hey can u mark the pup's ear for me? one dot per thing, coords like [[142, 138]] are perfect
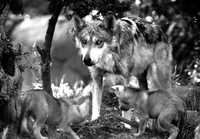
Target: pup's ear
[[109, 22], [8, 61], [78, 23], [117, 89]]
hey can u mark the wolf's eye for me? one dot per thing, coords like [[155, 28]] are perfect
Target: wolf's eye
[[84, 41], [98, 42]]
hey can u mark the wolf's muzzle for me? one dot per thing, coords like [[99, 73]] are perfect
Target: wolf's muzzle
[[87, 61]]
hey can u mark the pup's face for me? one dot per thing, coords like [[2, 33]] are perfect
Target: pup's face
[[127, 98], [93, 39]]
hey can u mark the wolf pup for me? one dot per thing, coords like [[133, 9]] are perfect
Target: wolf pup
[[159, 104], [40, 109], [126, 46]]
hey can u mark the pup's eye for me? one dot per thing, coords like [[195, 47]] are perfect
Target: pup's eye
[[84, 41], [98, 42]]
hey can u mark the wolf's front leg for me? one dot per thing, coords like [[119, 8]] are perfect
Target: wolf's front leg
[[96, 100], [96, 94]]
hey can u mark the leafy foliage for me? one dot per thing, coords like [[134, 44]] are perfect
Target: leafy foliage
[[16, 6], [83, 7]]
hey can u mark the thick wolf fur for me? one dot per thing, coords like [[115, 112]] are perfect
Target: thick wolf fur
[[161, 105], [127, 46]]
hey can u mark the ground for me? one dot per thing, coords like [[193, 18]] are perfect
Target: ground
[[108, 127]]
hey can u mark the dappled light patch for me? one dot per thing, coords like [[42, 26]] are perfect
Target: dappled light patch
[[64, 89]]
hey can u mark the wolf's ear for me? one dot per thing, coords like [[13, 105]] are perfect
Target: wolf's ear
[[8, 61], [109, 22], [78, 23]]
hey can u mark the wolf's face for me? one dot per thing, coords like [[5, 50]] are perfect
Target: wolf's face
[[93, 42], [93, 39]]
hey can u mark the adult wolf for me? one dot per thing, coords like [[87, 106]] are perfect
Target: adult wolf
[[126, 46]]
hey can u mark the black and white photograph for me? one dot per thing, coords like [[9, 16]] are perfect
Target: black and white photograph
[[99, 69]]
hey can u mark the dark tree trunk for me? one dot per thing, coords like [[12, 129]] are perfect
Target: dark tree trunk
[[45, 50]]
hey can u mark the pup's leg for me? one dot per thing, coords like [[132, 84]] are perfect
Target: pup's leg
[[96, 94], [69, 131], [165, 123], [142, 126], [52, 133], [5, 131], [37, 131], [197, 132]]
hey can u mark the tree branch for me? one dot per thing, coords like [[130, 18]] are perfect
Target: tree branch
[[45, 51]]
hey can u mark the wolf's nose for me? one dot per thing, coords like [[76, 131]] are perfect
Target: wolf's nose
[[88, 62]]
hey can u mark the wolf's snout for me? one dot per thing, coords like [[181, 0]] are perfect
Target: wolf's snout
[[87, 61]]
